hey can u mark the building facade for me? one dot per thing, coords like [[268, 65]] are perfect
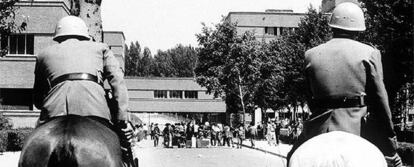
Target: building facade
[[147, 96], [266, 25]]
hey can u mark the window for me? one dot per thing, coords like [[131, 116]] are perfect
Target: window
[[16, 99], [270, 30], [176, 94], [19, 44], [282, 30], [160, 94], [191, 94]]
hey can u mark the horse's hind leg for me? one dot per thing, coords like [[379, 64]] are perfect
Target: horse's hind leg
[[36, 150]]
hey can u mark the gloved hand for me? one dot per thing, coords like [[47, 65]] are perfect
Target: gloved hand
[[393, 161], [128, 131]]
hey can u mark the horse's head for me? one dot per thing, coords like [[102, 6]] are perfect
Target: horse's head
[[337, 149]]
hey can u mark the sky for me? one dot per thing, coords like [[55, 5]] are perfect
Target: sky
[[163, 24]]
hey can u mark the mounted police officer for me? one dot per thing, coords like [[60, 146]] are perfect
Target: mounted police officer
[[69, 79], [346, 83]]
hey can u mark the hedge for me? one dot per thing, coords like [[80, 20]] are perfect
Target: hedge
[[13, 140]]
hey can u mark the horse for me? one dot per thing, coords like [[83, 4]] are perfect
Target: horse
[[72, 141], [337, 149]]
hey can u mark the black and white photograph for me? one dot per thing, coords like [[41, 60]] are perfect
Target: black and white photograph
[[206, 83]]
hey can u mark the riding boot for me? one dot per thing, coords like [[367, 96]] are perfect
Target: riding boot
[[127, 156], [126, 149]]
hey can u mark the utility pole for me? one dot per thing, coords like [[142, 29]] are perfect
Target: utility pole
[[241, 100]]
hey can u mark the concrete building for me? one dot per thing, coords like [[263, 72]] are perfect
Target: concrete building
[[182, 96], [147, 96], [266, 25]]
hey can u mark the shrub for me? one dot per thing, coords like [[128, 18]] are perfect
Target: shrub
[[406, 152], [13, 140], [3, 141], [4, 122]]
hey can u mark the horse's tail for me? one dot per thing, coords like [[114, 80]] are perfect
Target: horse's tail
[[71, 141], [63, 154]]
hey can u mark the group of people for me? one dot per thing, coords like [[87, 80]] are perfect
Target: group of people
[[218, 134], [344, 76], [180, 133]]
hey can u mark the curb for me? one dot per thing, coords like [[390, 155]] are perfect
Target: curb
[[263, 150]]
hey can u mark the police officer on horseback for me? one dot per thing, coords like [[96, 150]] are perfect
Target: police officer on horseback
[[69, 79], [346, 83]]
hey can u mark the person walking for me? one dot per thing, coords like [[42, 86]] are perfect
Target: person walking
[[271, 128], [252, 134], [166, 133], [69, 78], [227, 136], [277, 132], [346, 82], [241, 135], [156, 134]]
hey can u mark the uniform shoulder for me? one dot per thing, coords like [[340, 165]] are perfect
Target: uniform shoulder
[[47, 50], [315, 49], [370, 47], [96, 44]]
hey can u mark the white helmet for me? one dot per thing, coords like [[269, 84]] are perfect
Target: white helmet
[[71, 26], [337, 148], [348, 16]]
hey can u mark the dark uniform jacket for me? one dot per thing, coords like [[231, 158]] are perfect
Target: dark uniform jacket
[[346, 68], [79, 97]]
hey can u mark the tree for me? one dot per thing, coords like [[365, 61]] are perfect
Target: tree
[[163, 65], [229, 65], [7, 24], [179, 61], [184, 59], [282, 78], [132, 59], [146, 63], [90, 12], [390, 29]]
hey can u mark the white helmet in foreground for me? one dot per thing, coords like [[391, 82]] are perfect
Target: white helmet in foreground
[[348, 16], [337, 149]]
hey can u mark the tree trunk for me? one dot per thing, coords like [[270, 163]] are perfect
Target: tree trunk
[[90, 12]]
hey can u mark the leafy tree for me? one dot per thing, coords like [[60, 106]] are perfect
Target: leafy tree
[[7, 24], [229, 65], [313, 30], [163, 65], [90, 12], [146, 63], [184, 59], [179, 61], [390, 29], [132, 59]]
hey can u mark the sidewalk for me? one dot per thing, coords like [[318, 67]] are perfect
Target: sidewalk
[[280, 150]]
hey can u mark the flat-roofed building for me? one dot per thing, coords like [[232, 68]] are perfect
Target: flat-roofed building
[[17, 66], [116, 42], [171, 95], [148, 97], [266, 25]]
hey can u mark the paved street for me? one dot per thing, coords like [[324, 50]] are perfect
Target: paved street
[[204, 157], [195, 157]]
